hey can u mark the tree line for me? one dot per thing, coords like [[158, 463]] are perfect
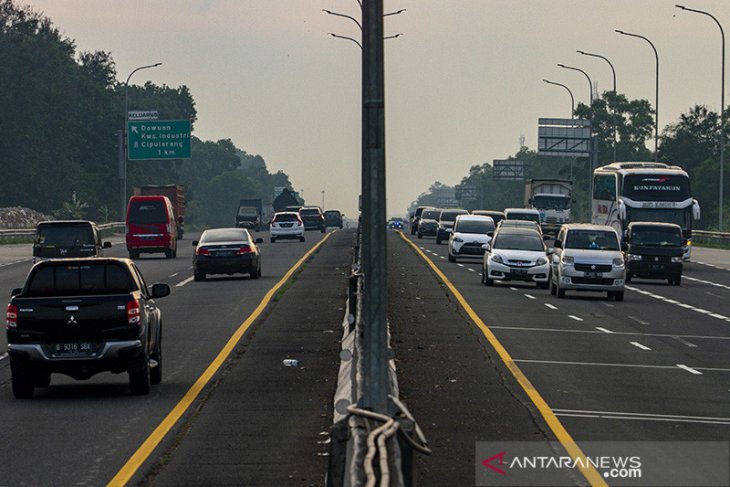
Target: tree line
[[62, 111], [692, 142]]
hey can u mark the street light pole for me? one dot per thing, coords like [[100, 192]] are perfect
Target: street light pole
[[322, 200], [572, 100], [722, 113], [656, 102], [123, 153], [613, 71], [590, 84]]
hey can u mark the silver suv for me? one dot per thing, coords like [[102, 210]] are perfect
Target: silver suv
[[588, 258]]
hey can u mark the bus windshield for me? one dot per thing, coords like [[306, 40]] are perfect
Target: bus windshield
[[656, 187]]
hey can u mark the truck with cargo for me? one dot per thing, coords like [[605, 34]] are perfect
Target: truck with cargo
[[552, 198], [176, 194], [250, 214]]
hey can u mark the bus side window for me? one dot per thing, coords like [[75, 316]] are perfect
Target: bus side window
[[604, 187]]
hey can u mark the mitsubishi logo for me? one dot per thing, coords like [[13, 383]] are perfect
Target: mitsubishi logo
[[72, 321], [656, 259], [593, 267]]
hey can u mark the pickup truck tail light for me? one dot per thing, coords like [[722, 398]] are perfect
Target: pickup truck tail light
[[245, 249], [12, 316], [133, 312]]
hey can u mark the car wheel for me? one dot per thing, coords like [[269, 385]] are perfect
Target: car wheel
[[322, 230], [628, 278], [174, 253], [452, 258], [273, 240], [156, 371], [140, 380], [413, 231], [485, 278], [134, 254], [22, 380], [552, 287], [301, 239], [199, 276], [168, 254], [559, 292], [617, 295], [42, 379], [438, 240], [255, 273], [419, 235], [675, 281], [542, 285]]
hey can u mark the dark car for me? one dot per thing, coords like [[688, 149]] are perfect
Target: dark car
[[80, 317], [428, 223], [333, 218], [313, 218], [396, 223], [654, 251], [67, 238], [226, 251], [446, 223], [497, 216], [415, 217]]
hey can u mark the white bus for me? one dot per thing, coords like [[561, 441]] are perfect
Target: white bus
[[625, 192]]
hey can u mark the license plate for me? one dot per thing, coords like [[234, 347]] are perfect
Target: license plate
[[225, 253], [73, 349], [520, 272], [594, 275], [656, 267]]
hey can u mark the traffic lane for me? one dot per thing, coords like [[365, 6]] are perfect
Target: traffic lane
[[707, 256], [107, 424]]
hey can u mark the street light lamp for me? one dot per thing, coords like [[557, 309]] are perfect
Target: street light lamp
[[322, 200], [123, 159], [572, 99], [613, 71], [656, 102], [347, 38], [590, 84], [722, 110]]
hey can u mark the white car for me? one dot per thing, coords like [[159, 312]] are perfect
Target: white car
[[516, 254], [470, 233], [286, 224]]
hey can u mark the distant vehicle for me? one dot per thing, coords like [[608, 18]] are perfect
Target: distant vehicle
[[79, 317], [428, 223], [415, 217], [531, 224], [470, 233], [286, 225], [313, 218], [552, 199], [397, 223], [516, 254], [588, 258], [446, 223], [333, 218], [62, 239], [522, 214], [250, 214], [151, 226], [497, 216], [625, 192], [654, 251], [226, 251], [176, 194]]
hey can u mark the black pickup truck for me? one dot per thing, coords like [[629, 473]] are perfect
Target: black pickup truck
[[80, 317]]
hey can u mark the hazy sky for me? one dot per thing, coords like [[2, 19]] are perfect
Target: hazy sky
[[462, 83]]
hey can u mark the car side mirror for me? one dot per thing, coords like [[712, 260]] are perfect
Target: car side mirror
[[558, 244], [16, 291], [106, 245], [259, 240], [486, 247], [195, 243], [160, 290], [550, 251]]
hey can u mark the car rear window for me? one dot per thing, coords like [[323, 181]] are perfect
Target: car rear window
[[450, 216], [474, 227], [224, 235], [65, 235], [79, 280], [430, 214], [286, 218], [312, 212], [518, 215], [591, 240], [147, 211]]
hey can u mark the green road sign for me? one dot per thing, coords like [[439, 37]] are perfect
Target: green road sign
[[158, 139]]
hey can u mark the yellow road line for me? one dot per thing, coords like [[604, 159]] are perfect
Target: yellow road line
[[146, 449], [588, 471]]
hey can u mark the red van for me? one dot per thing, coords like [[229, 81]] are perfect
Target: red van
[[151, 226]]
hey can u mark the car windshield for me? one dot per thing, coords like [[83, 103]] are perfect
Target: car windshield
[[591, 240], [430, 215], [518, 241], [65, 235], [248, 211], [482, 227], [658, 237], [224, 235]]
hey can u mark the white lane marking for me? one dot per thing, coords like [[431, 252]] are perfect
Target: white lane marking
[[422, 248], [640, 416], [683, 305], [550, 306], [3, 356], [460, 265], [685, 342], [442, 257], [190, 267], [470, 269], [689, 369], [713, 295], [595, 364], [626, 333], [576, 318], [530, 296], [710, 265], [182, 283], [702, 281], [607, 305], [639, 345], [639, 321], [513, 288], [173, 275], [603, 330]]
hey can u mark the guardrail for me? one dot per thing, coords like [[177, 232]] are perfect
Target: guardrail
[[29, 232], [701, 236]]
